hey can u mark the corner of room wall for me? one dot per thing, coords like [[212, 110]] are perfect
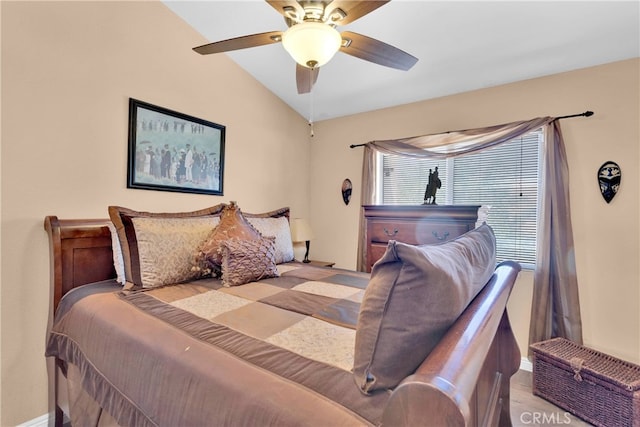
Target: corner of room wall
[[608, 278], [68, 70]]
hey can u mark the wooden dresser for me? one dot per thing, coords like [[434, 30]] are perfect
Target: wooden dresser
[[415, 225]]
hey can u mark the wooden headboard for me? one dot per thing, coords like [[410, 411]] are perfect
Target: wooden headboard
[[79, 253]]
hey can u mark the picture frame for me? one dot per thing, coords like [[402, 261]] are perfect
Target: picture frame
[[172, 151]]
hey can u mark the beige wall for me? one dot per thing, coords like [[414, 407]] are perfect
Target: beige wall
[[68, 70], [606, 235]]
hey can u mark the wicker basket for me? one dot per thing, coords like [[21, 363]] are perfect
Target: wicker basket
[[598, 388]]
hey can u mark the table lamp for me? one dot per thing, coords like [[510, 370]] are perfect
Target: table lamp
[[301, 232]]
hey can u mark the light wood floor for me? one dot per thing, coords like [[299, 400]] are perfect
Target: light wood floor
[[528, 410]]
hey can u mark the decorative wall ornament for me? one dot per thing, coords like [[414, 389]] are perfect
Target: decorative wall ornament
[[609, 176], [433, 184], [347, 188]]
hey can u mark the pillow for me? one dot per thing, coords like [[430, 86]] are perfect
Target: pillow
[[414, 295], [278, 228], [232, 224], [245, 261], [118, 262], [122, 219], [165, 248]]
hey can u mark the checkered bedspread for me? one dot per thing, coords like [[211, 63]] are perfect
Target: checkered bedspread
[[309, 311]]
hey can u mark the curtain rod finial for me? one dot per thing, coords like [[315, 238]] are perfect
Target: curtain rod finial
[[585, 114]]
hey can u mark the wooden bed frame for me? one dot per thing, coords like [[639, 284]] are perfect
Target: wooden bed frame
[[463, 382]]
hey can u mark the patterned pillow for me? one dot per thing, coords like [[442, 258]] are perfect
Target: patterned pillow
[[278, 228], [166, 247], [232, 224], [123, 219], [245, 261], [415, 294]]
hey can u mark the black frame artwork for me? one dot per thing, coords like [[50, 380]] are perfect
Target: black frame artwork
[[171, 151]]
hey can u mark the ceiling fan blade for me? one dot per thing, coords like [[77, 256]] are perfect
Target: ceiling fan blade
[[306, 78], [353, 9], [375, 51], [243, 42]]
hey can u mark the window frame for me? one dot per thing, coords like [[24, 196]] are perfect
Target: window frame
[[448, 192]]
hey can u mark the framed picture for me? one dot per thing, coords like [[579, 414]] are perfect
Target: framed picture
[[170, 151]]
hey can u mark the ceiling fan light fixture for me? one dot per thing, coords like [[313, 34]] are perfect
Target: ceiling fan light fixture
[[311, 44]]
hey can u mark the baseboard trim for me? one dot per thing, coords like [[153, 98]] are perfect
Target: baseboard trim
[[526, 365], [41, 421]]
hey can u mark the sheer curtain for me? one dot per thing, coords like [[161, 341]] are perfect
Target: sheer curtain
[[555, 307]]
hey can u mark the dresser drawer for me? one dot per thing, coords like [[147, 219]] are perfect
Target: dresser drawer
[[415, 232], [414, 225], [376, 250]]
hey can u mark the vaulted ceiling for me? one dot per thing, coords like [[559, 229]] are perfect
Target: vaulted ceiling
[[461, 46]]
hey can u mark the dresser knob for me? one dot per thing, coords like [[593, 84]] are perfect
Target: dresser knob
[[395, 231], [444, 236]]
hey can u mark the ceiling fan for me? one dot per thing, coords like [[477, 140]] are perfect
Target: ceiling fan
[[312, 38]]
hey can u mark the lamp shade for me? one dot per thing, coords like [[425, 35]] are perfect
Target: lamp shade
[[300, 230], [311, 44]]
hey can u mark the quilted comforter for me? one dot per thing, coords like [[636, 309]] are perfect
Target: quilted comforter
[[278, 351]]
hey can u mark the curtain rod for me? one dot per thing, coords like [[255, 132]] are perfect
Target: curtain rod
[[585, 114]]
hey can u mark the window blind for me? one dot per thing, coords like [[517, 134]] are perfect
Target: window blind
[[504, 177], [405, 179]]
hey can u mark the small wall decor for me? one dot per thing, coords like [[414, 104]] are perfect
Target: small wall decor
[[347, 188], [171, 151], [609, 176]]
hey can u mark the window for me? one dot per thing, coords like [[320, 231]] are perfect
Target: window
[[504, 177]]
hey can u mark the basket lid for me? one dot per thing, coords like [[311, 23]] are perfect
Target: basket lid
[[624, 374]]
